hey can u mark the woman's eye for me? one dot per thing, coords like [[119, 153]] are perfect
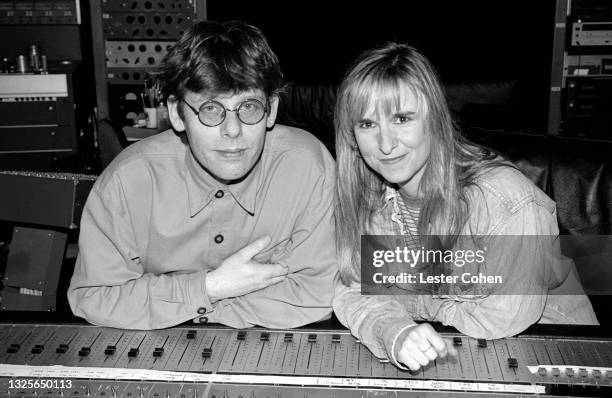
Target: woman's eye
[[401, 119], [365, 125]]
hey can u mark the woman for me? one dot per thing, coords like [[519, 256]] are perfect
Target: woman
[[403, 169]]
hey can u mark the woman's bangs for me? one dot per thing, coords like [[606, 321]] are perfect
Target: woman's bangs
[[358, 102], [385, 94]]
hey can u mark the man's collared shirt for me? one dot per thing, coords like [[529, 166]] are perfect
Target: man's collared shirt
[[156, 222]]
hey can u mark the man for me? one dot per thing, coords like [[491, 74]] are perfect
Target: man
[[226, 219]]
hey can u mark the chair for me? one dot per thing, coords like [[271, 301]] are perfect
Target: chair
[[111, 141]]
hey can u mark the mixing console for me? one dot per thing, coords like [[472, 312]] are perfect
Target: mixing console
[[68, 360]]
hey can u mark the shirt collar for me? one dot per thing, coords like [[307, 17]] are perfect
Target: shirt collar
[[389, 196], [201, 187], [389, 193]]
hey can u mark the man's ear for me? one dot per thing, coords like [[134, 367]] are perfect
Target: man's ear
[[174, 114], [273, 111]]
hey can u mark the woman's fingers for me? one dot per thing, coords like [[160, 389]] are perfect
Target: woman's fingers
[[423, 345]]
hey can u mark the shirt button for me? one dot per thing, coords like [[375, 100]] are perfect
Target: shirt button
[[201, 310], [219, 238], [203, 319], [219, 194]]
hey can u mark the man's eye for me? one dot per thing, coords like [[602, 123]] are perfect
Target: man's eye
[[209, 108]]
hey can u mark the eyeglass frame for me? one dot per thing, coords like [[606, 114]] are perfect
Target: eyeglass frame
[[225, 110]]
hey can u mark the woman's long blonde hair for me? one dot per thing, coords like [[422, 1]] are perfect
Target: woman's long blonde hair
[[381, 75]]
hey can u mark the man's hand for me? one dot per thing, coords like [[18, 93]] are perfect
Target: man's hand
[[421, 345], [239, 274]]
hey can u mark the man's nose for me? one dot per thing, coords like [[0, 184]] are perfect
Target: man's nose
[[231, 126]]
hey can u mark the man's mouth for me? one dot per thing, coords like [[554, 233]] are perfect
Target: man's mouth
[[231, 153]]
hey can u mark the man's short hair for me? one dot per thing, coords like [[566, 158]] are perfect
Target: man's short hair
[[220, 57]]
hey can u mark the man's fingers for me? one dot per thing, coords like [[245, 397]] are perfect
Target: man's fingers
[[250, 250], [276, 280], [272, 270], [267, 282]]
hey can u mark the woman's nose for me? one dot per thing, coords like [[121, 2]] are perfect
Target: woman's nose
[[387, 140]]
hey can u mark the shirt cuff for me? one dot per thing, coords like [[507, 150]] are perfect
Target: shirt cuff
[[198, 297]]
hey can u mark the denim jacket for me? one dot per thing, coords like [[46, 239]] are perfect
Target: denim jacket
[[503, 202]]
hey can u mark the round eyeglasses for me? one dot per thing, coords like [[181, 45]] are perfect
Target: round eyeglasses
[[212, 113]]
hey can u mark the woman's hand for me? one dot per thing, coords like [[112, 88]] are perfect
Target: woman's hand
[[421, 345]]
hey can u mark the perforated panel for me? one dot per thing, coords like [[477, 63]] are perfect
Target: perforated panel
[[147, 6], [137, 35], [125, 103], [135, 54], [127, 75], [146, 25]]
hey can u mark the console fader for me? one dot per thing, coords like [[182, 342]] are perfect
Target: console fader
[[218, 362]]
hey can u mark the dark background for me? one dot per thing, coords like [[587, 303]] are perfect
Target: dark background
[[467, 41]]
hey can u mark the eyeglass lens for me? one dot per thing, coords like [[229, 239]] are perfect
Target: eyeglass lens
[[213, 113]]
